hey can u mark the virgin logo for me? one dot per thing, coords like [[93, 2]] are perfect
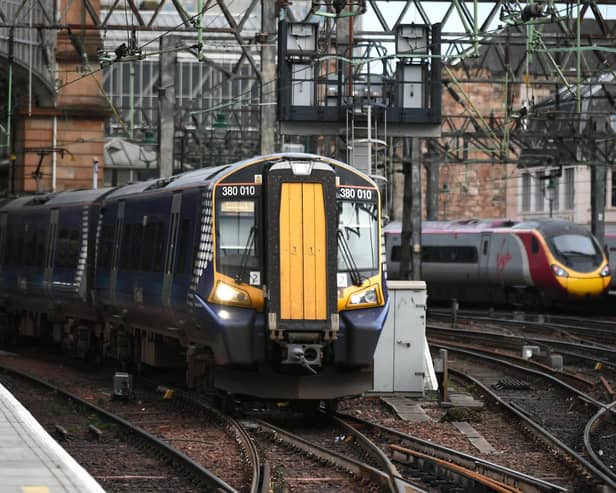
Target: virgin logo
[[502, 259]]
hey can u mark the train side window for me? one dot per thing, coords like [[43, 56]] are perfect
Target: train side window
[[534, 245], [149, 236], [159, 247], [125, 248], [27, 254], [136, 246], [395, 254], [19, 248], [41, 233], [31, 252], [61, 253], [106, 246], [73, 249], [182, 246], [448, 254]]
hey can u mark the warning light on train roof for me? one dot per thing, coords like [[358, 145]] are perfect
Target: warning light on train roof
[[301, 168]]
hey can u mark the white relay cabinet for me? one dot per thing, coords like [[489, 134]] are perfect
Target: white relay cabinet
[[400, 361]]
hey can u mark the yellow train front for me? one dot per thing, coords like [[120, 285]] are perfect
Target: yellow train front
[[292, 303]]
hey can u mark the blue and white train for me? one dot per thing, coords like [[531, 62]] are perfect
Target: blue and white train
[[263, 277]]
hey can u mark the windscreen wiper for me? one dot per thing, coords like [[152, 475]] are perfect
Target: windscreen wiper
[[244, 261], [347, 256]]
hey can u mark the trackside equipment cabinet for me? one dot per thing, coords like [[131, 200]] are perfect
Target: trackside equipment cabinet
[[400, 362]]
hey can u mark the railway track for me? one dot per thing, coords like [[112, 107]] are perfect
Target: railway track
[[91, 433], [579, 358], [445, 467], [555, 411]]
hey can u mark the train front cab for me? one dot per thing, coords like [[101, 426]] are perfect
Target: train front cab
[[577, 264], [282, 234]]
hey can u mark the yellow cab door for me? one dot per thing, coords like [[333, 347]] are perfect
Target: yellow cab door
[[303, 253]]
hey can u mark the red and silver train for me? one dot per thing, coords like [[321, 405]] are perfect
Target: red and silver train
[[536, 262]]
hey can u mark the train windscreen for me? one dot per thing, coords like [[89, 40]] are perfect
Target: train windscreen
[[236, 228], [579, 252], [358, 236]]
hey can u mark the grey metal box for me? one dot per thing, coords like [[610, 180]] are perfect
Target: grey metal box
[[400, 356]]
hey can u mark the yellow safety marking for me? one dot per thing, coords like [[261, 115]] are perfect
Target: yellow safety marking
[[315, 299], [303, 263]]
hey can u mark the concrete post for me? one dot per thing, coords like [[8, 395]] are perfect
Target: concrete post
[[166, 105], [268, 78]]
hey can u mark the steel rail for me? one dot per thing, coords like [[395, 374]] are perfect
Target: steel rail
[[497, 472], [471, 475], [608, 352], [372, 448], [196, 469], [393, 484], [258, 482], [539, 430], [588, 446]]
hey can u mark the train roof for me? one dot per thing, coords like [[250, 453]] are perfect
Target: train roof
[[204, 175], [78, 196], [551, 227], [175, 182], [51, 199], [457, 225], [547, 226]]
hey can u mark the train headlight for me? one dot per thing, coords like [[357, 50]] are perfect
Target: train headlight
[[559, 271], [365, 297], [605, 271], [227, 294]]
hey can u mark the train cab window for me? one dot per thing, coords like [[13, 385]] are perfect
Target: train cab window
[[534, 245], [236, 243], [358, 241], [577, 251]]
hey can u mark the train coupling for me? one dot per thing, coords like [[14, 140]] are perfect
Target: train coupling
[[304, 355]]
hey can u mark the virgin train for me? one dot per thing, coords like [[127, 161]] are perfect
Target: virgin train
[[532, 263], [263, 277]]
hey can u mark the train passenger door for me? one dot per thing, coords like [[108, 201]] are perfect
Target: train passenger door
[[172, 240], [50, 252], [115, 259], [301, 254], [484, 258]]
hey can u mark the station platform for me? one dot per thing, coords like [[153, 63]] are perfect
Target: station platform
[[31, 461]]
